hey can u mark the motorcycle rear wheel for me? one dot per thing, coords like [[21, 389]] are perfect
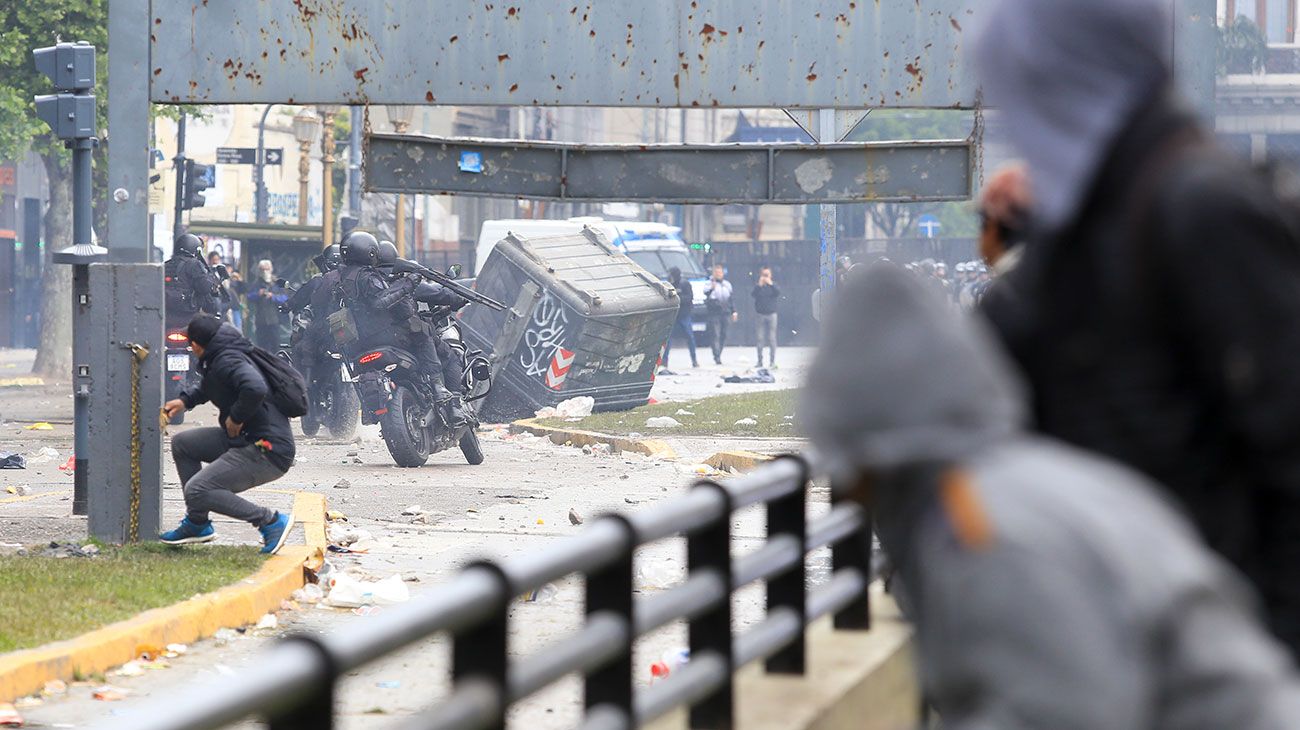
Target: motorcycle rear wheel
[[345, 412], [402, 433]]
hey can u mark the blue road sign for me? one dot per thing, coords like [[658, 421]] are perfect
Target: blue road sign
[[929, 225], [471, 162]]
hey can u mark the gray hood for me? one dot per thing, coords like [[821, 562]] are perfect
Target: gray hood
[[901, 379], [1067, 75]]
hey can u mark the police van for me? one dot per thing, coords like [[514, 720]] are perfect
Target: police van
[[656, 247]]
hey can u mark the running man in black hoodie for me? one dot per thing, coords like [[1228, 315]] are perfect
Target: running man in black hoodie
[[252, 446]]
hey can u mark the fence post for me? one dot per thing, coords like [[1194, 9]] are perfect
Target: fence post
[[710, 548], [789, 516], [610, 589], [853, 551], [480, 651], [316, 711]]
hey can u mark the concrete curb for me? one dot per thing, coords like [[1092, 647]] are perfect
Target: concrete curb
[[26, 672], [737, 460], [653, 448]]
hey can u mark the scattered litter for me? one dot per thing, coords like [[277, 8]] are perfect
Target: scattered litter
[[684, 412], [54, 688], [21, 491], [130, 669], [662, 422], [335, 516], [412, 511], [746, 422], [388, 684], [343, 484], [9, 717], [175, 650], [579, 407], [656, 576], [574, 517], [27, 702], [351, 453], [541, 521], [12, 461], [541, 595], [310, 593], [366, 610], [39, 426], [109, 693], [69, 466], [348, 592], [344, 535], [267, 622], [624, 476], [629, 500], [669, 662], [762, 375], [225, 636], [68, 550]]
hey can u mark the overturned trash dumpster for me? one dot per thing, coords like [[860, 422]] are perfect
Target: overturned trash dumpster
[[583, 320]]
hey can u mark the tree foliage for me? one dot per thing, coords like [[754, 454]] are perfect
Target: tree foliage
[[1242, 48]]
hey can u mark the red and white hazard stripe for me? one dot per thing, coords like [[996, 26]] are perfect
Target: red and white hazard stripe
[[559, 369]]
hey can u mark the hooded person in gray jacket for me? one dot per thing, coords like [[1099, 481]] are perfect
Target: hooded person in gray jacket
[[1049, 588]]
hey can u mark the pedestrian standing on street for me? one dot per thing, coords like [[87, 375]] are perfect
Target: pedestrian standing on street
[[766, 296], [252, 445], [683, 323], [264, 299], [1142, 337], [1049, 588], [720, 309]]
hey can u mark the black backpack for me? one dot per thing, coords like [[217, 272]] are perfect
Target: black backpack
[[288, 389]]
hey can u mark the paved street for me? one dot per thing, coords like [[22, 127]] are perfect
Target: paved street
[[517, 500]]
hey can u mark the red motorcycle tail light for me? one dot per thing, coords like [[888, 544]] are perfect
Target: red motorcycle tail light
[[370, 357]]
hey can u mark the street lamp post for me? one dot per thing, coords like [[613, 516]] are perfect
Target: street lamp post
[[305, 124], [327, 112], [401, 117]]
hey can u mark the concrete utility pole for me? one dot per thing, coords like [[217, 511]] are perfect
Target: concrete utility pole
[[327, 112], [826, 133], [259, 170]]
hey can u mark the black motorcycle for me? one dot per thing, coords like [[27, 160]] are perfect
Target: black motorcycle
[[396, 394], [179, 363], [331, 396]]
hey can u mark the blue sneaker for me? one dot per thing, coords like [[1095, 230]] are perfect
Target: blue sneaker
[[189, 532], [274, 534]]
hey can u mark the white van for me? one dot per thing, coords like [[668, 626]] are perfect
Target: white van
[[656, 247]]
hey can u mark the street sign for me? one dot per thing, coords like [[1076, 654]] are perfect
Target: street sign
[[236, 155], [274, 155], [929, 225]]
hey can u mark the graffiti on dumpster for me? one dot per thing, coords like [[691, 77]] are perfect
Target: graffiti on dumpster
[[544, 336]]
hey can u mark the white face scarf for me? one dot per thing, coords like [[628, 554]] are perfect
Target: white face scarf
[[1067, 76]]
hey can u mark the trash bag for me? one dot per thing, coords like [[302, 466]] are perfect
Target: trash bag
[[12, 461]]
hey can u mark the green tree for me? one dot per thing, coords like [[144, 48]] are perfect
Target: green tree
[[898, 220], [29, 24]]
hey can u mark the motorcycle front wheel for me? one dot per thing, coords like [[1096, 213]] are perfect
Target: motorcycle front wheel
[[400, 426], [470, 447]]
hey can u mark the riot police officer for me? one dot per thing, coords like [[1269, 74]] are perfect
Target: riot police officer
[[307, 348], [189, 286], [386, 311]]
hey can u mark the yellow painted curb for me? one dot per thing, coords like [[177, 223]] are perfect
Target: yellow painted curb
[[26, 672], [738, 460], [563, 436]]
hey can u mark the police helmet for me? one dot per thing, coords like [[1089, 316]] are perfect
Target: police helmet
[[330, 257], [188, 244], [360, 248], [387, 254]]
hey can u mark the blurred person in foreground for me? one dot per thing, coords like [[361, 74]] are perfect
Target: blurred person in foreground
[[1004, 205], [1050, 588], [1157, 306]]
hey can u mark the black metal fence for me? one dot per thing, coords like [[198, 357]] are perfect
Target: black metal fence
[[292, 685]]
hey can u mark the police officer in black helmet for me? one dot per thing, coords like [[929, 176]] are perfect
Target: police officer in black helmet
[[189, 285], [307, 350], [385, 313]]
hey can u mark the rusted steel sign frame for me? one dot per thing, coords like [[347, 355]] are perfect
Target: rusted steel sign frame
[[713, 174], [705, 53]]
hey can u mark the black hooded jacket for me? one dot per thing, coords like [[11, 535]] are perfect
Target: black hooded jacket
[[1162, 329], [232, 383]]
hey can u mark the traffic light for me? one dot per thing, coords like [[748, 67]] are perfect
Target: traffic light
[[71, 66], [198, 178]]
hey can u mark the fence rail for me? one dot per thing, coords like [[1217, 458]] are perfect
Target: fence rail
[[292, 684]]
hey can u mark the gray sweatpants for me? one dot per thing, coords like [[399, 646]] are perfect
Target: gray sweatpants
[[230, 469], [767, 337]]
